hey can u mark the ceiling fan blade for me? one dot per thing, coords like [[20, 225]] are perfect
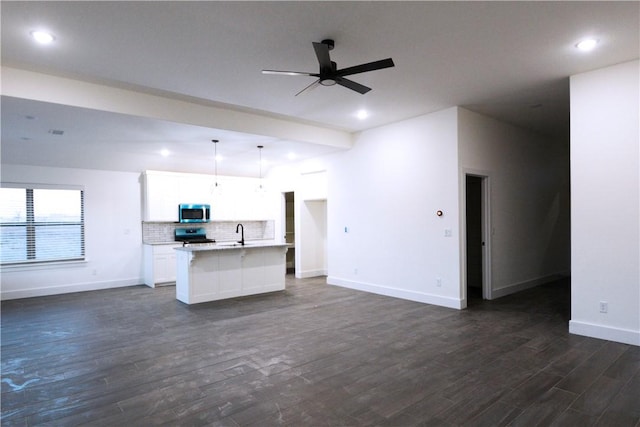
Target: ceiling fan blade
[[310, 87], [361, 89], [288, 73], [363, 68], [322, 52]]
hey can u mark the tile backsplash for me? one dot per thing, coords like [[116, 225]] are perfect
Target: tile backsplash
[[221, 231]]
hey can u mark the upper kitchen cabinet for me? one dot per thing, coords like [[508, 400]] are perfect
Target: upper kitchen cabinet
[[196, 189], [240, 198], [235, 199], [160, 196], [162, 192]]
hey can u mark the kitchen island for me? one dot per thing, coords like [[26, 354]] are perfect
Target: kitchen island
[[217, 271]]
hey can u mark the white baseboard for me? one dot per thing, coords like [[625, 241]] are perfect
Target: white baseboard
[[310, 273], [66, 289], [625, 336], [397, 293], [519, 287]]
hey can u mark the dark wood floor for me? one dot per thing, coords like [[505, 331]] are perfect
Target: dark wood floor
[[312, 355]]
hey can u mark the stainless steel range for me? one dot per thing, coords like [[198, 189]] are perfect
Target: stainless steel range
[[192, 235]]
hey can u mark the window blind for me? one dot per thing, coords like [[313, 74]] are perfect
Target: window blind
[[41, 225]]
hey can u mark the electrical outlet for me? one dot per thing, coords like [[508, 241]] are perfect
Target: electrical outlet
[[439, 282], [604, 306], [355, 271]]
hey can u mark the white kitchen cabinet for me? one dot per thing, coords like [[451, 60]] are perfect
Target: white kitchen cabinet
[[223, 202], [229, 274], [253, 272], [194, 188], [164, 191], [237, 200], [160, 196], [159, 264]]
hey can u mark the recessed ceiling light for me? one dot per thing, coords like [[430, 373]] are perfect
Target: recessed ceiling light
[[165, 153], [587, 44], [42, 37], [362, 114]]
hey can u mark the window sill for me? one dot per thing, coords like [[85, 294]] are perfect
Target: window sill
[[43, 265]]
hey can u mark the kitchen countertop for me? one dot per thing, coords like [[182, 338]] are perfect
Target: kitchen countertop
[[172, 242], [224, 246]]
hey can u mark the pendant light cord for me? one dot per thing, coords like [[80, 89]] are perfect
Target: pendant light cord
[[260, 147], [215, 160]]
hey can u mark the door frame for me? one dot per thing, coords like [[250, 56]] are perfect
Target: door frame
[[283, 222], [487, 232]]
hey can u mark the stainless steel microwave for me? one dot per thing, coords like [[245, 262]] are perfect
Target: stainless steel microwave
[[190, 213]]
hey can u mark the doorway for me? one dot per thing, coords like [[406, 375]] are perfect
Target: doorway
[[312, 239], [477, 235], [289, 231]]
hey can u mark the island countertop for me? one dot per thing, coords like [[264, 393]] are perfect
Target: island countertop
[[225, 246]]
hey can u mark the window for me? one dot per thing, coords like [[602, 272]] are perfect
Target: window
[[41, 225]]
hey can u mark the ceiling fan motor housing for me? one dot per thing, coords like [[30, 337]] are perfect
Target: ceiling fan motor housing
[[330, 43], [327, 76]]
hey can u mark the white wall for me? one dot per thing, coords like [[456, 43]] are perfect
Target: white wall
[[308, 180], [385, 191], [311, 239], [605, 203], [529, 200], [113, 236], [310, 207]]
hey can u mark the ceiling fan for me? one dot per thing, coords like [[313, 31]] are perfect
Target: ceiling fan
[[329, 74]]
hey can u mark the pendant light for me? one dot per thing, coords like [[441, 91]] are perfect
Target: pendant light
[[260, 186], [216, 185]]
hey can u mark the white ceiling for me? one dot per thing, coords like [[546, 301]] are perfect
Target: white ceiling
[[510, 60]]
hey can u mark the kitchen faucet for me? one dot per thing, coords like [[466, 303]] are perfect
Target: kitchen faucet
[[241, 227]]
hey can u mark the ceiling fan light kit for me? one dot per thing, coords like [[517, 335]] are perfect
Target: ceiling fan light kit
[[330, 75]]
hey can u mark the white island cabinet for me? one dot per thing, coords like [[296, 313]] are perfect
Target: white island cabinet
[[215, 272]]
